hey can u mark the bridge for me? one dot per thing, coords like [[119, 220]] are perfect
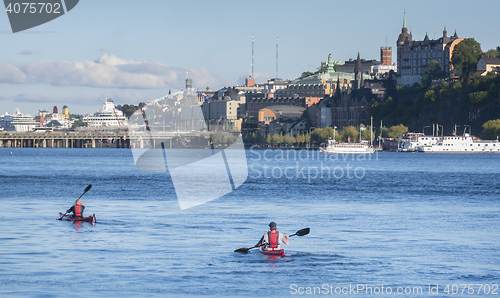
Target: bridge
[[117, 138]]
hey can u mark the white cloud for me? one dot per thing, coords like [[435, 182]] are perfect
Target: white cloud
[[41, 97], [109, 71]]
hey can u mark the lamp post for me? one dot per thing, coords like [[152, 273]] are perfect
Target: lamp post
[[310, 135]]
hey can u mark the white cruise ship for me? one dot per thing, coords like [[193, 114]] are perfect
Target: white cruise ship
[[107, 116], [17, 122]]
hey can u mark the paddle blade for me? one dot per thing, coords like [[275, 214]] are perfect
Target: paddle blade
[[243, 250], [87, 188], [303, 232]]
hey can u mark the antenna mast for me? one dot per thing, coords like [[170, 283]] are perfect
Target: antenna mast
[[252, 57], [276, 57]]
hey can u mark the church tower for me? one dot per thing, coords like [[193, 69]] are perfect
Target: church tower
[[358, 73], [404, 33]]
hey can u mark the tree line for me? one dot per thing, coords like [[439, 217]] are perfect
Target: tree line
[[322, 135]]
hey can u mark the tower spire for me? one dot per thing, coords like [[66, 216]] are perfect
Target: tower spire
[[404, 20], [358, 72]]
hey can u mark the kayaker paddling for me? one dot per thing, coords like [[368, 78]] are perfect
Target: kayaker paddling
[[77, 209], [273, 238], [279, 239]]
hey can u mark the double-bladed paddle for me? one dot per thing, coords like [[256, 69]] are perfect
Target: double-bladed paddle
[[86, 189], [302, 232]]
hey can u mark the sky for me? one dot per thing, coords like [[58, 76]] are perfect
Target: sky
[[135, 51]]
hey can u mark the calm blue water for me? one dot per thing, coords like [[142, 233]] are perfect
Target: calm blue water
[[400, 220]]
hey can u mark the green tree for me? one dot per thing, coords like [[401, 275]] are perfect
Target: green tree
[[466, 54], [430, 95], [367, 134], [79, 123], [315, 135], [433, 71], [307, 137], [349, 132], [492, 53], [268, 139], [491, 130], [478, 97], [301, 138], [232, 138], [320, 135], [277, 138], [305, 74], [397, 130], [321, 69], [287, 139], [216, 138], [385, 132]]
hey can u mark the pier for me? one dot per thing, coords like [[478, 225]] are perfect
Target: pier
[[102, 139]]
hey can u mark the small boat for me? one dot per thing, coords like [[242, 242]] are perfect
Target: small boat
[[70, 217], [271, 252]]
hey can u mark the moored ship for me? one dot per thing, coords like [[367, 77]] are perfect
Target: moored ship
[[334, 147], [464, 143], [461, 144]]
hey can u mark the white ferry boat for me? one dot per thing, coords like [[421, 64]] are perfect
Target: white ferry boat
[[107, 116], [464, 144], [334, 147]]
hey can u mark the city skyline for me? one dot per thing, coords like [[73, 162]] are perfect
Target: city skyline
[[132, 51]]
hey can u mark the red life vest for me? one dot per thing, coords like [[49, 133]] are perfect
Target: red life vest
[[78, 210], [273, 238]]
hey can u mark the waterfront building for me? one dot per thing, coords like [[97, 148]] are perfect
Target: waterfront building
[[413, 56], [56, 120], [351, 106], [225, 109], [386, 55], [368, 66], [279, 117], [258, 101], [488, 64], [321, 84], [382, 70], [40, 118]]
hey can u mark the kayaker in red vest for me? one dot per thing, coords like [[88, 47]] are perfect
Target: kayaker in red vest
[[77, 209], [273, 238]]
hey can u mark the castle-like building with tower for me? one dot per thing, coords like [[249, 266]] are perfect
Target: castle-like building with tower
[[413, 56]]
